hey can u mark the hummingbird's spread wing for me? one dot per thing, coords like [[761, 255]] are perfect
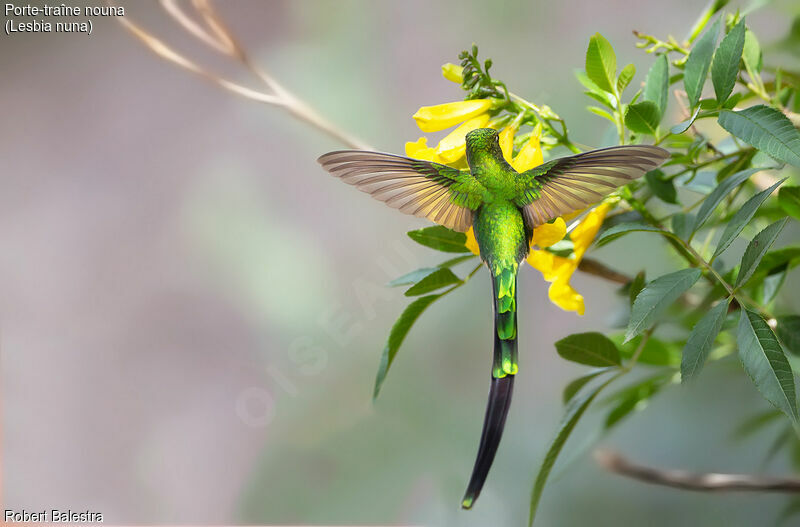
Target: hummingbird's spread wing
[[445, 195], [572, 183]]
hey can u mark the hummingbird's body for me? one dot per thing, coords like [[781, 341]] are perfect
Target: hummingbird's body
[[503, 207]]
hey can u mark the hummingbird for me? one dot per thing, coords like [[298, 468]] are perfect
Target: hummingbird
[[503, 207]]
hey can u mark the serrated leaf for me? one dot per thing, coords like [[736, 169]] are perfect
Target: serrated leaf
[[774, 262], [663, 188], [718, 194], [756, 250], [766, 129], [398, 334], [682, 224], [684, 125], [656, 85], [574, 386], [725, 67], [601, 63], [741, 218], [696, 68], [441, 239], [764, 361], [436, 280], [574, 411], [789, 200], [788, 331], [592, 349], [622, 229], [643, 117], [656, 297], [701, 340], [625, 77]]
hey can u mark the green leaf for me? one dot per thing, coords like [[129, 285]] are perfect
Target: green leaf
[[601, 63], [643, 117], [571, 389], [621, 229], [775, 262], [701, 339], [603, 98], [766, 129], [696, 69], [656, 85], [592, 349], [413, 277], [655, 352], [398, 334], [751, 53], [741, 218], [656, 297], [764, 361], [682, 224], [719, 193], [457, 260], [663, 188], [602, 113], [436, 280], [683, 126], [636, 286], [725, 68], [574, 411], [633, 398], [789, 200], [441, 239], [625, 77], [756, 250], [788, 330]]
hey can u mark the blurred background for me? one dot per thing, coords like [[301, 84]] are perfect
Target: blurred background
[[193, 311]]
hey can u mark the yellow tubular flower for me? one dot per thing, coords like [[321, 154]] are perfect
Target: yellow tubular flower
[[549, 233], [583, 235], [559, 270], [453, 72], [530, 155], [420, 150], [454, 146], [506, 138], [562, 295], [472, 243], [439, 117]]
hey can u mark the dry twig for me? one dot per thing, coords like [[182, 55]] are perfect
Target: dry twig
[[212, 32]]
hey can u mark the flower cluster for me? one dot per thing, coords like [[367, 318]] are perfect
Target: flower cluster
[[451, 150]]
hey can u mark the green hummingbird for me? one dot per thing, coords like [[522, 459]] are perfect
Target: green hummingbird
[[503, 207]]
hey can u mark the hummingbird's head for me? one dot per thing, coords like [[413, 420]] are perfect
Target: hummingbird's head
[[483, 142]]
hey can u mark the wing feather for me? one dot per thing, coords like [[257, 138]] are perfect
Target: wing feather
[[575, 182], [442, 194]]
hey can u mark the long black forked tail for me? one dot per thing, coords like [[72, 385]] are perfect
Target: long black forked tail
[[502, 385]]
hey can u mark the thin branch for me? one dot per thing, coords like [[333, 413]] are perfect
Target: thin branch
[[597, 268], [683, 479], [215, 34]]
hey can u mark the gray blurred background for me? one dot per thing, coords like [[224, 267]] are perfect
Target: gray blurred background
[[193, 311]]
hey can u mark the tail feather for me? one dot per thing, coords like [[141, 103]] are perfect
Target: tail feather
[[502, 385]]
